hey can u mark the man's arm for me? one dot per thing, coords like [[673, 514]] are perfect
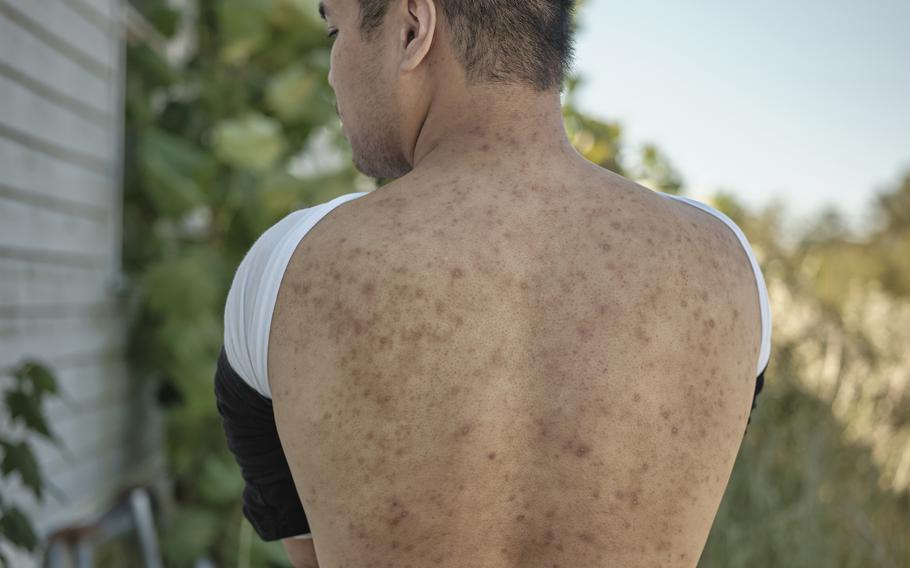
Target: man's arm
[[301, 552]]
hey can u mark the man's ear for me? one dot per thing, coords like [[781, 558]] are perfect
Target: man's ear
[[417, 32]]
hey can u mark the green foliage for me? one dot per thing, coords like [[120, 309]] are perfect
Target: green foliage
[[17, 528], [23, 404], [253, 141], [176, 173], [189, 534], [209, 140], [822, 478]]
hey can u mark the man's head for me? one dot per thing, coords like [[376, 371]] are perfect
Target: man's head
[[395, 61]]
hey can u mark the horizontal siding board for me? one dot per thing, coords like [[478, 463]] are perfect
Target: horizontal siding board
[[54, 96], [84, 498], [54, 125], [24, 225], [55, 150], [81, 433], [86, 388], [51, 68], [60, 135], [29, 289], [52, 256], [60, 26], [100, 430], [97, 213], [98, 13], [62, 341], [27, 170]]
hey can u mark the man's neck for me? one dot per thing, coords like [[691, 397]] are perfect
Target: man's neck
[[523, 126]]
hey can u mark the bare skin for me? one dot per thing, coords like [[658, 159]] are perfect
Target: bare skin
[[514, 379], [301, 552], [508, 356]]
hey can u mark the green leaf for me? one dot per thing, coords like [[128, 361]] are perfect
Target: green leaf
[[290, 93], [243, 25], [188, 535], [267, 553], [17, 528], [301, 14], [18, 456], [148, 71], [175, 172], [164, 18], [28, 409], [181, 289], [253, 141], [220, 481], [40, 377]]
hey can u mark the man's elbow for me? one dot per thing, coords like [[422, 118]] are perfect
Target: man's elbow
[[301, 552]]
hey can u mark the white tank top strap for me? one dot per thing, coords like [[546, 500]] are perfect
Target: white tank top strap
[[254, 290], [765, 352]]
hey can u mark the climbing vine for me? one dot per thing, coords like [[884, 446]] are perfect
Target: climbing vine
[[23, 404]]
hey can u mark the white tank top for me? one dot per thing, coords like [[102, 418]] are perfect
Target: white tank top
[[251, 299], [254, 290]]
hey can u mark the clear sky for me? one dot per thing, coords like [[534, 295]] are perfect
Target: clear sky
[[806, 101]]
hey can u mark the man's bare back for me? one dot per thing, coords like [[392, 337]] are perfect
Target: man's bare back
[[547, 368]]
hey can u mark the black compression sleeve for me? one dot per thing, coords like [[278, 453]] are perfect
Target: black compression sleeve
[[270, 500], [759, 384]]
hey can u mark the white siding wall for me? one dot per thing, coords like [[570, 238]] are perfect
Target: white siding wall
[[61, 85]]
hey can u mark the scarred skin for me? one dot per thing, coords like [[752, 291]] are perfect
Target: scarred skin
[[508, 356]]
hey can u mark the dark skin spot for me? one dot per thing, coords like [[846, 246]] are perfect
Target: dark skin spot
[[492, 455], [584, 332], [641, 336], [457, 273]]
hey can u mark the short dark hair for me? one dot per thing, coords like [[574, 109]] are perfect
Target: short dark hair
[[501, 41]]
